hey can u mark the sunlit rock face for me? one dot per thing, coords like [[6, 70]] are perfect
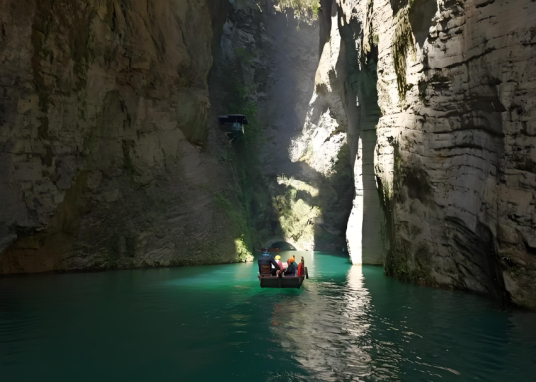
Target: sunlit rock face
[[305, 180], [342, 119], [454, 157], [105, 159], [291, 46]]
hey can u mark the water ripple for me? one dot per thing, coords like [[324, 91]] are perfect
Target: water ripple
[[347, 323]]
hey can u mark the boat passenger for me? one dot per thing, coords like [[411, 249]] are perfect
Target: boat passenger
[[278, 261], [267, 259], [301, 267], [291, 269]]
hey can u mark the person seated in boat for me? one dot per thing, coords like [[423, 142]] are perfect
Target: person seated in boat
[[291, 268], [301, 267], [267, 259], [278, 261]]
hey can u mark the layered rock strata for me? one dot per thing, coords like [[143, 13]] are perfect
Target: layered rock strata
[[454, 157]]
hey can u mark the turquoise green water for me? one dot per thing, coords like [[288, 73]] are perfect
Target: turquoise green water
[[215, 323]]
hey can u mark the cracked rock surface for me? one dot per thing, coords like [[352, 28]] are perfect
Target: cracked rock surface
[[454, 158]]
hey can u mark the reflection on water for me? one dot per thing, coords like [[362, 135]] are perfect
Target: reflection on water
[[214, 323], [325, 330]]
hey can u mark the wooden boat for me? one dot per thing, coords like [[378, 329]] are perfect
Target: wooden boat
[[269, 281]]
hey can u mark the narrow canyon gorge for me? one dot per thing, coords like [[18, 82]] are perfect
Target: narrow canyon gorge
[[402, 132]]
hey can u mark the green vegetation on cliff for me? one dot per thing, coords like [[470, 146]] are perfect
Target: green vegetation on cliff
[[403, 45], [254, 207], [404, 260], [306, 210], [241, 230], [304, 9]]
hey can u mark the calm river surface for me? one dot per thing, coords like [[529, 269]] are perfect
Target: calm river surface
[[214, 323]]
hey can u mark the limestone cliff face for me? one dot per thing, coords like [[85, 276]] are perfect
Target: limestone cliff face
[[309, 177], [422, 111], [110, 154], [267, 70], [444, 92], [106, 158]]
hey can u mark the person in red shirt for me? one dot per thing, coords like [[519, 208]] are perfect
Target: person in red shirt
[[300, 267]]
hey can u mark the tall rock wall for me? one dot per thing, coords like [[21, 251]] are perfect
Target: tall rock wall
[[298, 189], [109, 144], [454, 152], [341, 127], [423, 111], [309, 176], [105, 156]]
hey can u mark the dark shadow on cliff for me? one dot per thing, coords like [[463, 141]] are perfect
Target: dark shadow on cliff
[[286, 110], [233, 91], [420, 16], [276, 86]]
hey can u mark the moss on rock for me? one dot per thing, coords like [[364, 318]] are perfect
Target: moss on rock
[[403, 46]]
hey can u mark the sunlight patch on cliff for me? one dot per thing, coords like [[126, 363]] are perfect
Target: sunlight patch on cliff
[[320, 141], [297, 185], [354, 231], [242, 251], [297, 216], [306, 10]]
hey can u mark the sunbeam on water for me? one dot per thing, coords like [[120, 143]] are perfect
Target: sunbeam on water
[[214, 323]]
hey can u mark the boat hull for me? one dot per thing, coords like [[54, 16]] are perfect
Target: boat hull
[[280, 282], [269, 281]]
